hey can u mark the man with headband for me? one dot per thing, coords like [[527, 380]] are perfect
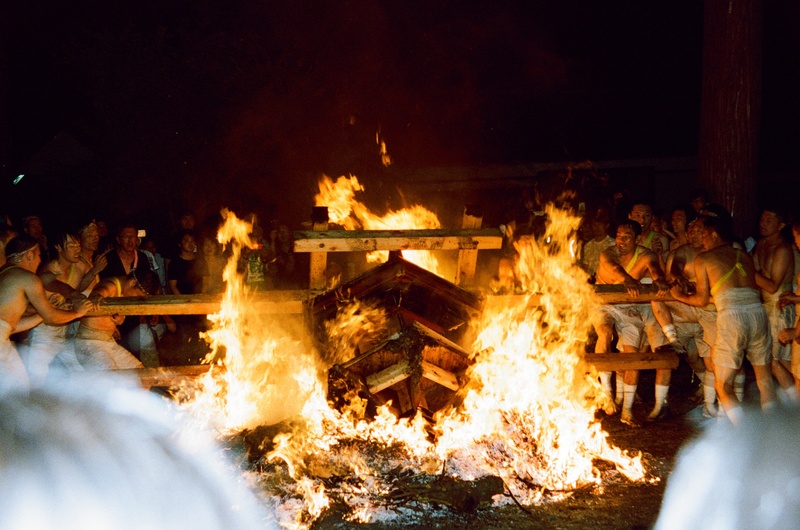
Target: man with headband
[[20, 288]]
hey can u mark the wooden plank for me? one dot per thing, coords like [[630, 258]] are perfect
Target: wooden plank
[[439, 376], [266, 302], [617, 294], [319, 261], [369, 240], [388, 376], [613, 362], [403, 397], [468, 259], [168, 376]]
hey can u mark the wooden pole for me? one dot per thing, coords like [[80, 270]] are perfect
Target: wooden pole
[[266, 302], [369, 240], [614, 362], [319, 258], [468, 259]]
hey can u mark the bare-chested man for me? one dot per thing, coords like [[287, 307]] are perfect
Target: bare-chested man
[[693, 322], [626, 263], [63, 282], [791, 335], [728, 274], [20, 288], [774, 261], [95, 344]]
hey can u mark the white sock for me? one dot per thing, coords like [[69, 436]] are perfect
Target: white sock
[[734, 414], [769, 406], [791, 393], [709, 392], [670, 332], [661, 395], [620, 387], [629, 393], [738, 386], [605, 381]]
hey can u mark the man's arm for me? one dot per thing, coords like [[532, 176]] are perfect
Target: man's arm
[[616, 273], [702, 295], [51, 315], [653, 264], [782, 263]]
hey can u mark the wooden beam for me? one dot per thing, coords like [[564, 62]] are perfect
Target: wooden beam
[[319, 260], [617, 294], [468, 259], [439, 376], [388, 376], [613, 362], [369, 240], [266, 302]]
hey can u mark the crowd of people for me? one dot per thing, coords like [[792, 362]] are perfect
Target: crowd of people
[[724, 300], [49, 281]]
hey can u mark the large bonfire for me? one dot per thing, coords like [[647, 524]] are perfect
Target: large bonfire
[[527, 414]]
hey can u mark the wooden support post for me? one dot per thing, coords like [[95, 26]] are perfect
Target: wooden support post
[[468, 259], [439, 376], [319, 260], [615, 362]]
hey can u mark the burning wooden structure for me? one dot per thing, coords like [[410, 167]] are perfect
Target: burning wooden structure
[[417, 361]]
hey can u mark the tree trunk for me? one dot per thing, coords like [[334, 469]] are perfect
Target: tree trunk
[[731, 107]]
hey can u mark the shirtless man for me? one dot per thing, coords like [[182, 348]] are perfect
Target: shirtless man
[[693, 322], [626, 263], [774, 261], [7, 233], [791, 335], [728, 275], [95, 344], [20, 288], [63, 281], [642, 213]]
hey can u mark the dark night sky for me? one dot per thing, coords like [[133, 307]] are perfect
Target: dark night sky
[[163, 105]]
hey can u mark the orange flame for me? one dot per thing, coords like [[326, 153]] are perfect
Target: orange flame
[[527, 414]]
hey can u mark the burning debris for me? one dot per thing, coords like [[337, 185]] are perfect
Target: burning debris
[[432, 401]]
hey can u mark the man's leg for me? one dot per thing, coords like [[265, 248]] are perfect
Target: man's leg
[[727, 398], [630, 383], [765, 385], [663, 377], [709, 392]]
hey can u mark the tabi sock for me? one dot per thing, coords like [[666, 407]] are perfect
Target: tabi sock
[[628, 394], [738, 386]]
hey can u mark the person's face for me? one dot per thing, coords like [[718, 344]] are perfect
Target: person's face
[[150, 246], [643, 215], [626, 239], [770, 224], [34, 228], [71, 251], [188, 243], [209, 247], [128, 239], [90, 238], [707, 236], [694, 233], [187, 222], [284, 233], [678, 220], [599, 229]]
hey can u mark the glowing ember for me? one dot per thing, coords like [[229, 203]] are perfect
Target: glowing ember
[[527, 415]]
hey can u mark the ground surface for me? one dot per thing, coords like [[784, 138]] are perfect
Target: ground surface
[[617, 504]]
